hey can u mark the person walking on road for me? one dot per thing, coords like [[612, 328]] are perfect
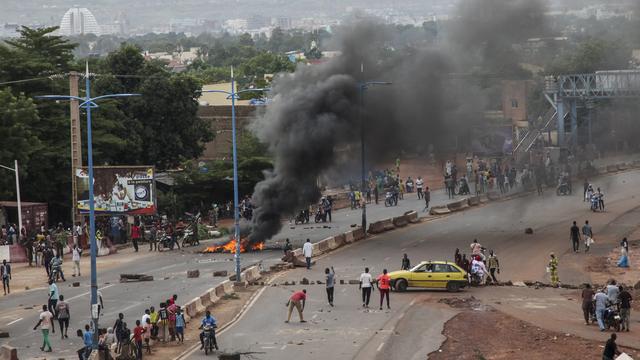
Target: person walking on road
[[297, 300], [119, 329], [135, 236], [5, 273], [553, 269], [365, 287], [623, 262], [406, 263], [584, 192], [75, 256], [54, 295], [587, 302], [307, 251], [87, 339], [587, 232], [625, 300], [601, 300], [419, 187], [574, 233], [494, 266], [330, 280], [45, 322], [427, 198], [63, 313], [384, 286], [611, 348]]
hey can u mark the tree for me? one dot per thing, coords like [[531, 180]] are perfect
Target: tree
[[18, 116], [593, 55]]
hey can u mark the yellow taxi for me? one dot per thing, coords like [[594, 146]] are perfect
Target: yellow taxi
[[430, 275]]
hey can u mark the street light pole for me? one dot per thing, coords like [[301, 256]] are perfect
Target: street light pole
[[236, 204], [233, 95], [89, 103], [15, 170]]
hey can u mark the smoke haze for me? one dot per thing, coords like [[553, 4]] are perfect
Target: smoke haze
[[315, 110]]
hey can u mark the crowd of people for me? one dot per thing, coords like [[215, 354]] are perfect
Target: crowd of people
[[606, 305]]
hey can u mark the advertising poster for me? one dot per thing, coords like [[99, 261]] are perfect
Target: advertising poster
[[128, 190]]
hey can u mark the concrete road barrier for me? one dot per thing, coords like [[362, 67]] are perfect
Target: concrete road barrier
[[493, 195], [340, 240], [376, 227], [412, 216], [612, 168], [474, 201], [458, 205], [8, 353], [332, 243], [636, 163], [358, 234], [323, 246], [400, 221], [622, 166], [439, 210], [348, 237]]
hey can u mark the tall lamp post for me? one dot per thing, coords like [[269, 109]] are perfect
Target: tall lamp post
[[233, 95], [363, 87], [15, 169], [89, 103]]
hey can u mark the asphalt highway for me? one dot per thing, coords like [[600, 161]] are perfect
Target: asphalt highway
[[412, 327]]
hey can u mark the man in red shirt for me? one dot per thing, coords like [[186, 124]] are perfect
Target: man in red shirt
[[384, 284], [172, 310], [297, 300], [137, 337]]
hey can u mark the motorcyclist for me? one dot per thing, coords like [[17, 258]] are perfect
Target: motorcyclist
[[208, 323], [56, 265], [478, 268]]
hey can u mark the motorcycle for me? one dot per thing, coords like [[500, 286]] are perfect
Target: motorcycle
[[612, 319], [190, 233], [564, 187], [165, 240], [463, 189], [209, 339], [595, 202], [302, 218], [55, 274], [390, 199], [321, 215]]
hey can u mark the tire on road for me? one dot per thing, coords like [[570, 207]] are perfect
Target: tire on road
[[400, 285], [453, 286]]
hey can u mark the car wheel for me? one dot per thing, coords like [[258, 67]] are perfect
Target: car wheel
[[453, 287], [401, 285]]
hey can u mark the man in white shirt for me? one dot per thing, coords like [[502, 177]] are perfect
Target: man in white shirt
[[76, 252], [307, 251], [45, 324], [365, 286], [419, 186]]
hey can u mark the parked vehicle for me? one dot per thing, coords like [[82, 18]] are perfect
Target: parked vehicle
[[431, 275]]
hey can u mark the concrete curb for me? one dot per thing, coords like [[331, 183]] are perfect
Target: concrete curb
[[212, 296]]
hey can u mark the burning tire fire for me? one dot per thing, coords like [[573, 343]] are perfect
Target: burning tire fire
[[230, 247]]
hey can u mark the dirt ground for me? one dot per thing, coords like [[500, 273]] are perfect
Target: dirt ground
[[495, 335], [224, 311]]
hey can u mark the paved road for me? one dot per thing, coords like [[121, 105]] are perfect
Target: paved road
[[348, 332], [20, 311]]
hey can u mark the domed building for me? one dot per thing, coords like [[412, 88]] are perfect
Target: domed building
[[78, 21]]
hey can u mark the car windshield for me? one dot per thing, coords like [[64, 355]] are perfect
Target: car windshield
[[422, 267]]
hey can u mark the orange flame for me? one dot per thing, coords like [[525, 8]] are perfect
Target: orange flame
[[230, 247]]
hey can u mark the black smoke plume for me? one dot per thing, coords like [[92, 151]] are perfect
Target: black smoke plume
[[316, 110]]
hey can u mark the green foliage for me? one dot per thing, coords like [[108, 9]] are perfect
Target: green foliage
[[18, 116], [593, 55]]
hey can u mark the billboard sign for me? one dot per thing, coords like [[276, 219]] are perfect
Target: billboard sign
[[126, 190]]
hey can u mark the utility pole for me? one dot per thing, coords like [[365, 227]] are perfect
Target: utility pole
[[76, 141]]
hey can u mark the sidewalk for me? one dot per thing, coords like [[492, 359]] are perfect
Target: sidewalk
[[26, 278]]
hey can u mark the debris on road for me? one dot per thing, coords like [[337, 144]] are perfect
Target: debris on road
[[135, 277], [193, 274]]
